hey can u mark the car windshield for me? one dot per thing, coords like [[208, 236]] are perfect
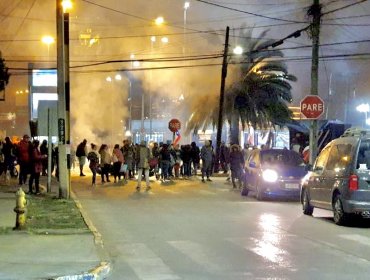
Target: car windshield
[[281, 157]]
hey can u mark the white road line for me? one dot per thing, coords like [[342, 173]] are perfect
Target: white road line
[[196, 253], [146, 264]]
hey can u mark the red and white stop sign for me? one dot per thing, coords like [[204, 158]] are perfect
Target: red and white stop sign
[[312, 106], [174, 125]]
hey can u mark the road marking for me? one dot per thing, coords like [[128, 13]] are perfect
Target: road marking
[[146, 264], [357, 238], [196, 253]]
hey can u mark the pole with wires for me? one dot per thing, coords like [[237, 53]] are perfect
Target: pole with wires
[[221, 101]]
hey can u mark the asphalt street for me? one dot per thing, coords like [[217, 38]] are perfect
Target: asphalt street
[[194, 230]]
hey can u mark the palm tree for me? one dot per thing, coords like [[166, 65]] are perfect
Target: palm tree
[[260, 94]]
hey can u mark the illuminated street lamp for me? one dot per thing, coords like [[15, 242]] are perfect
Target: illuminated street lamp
[[164, 40], [67, 5], [159, 20], [48, 40], [238, 50]]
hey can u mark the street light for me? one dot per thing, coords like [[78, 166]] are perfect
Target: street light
[[238, 50], [48, 40], [159, 20]]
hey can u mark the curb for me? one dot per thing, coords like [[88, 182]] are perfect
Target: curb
[[99, 272]]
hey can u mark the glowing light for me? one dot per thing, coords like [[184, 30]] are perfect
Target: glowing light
[[368, 121], [238, 50], [164, 40], [67, 5], [363, 108], [186, 5], [153, 39], [159, 20], [270, 175], [108, 79], [118, 77], [136, 63], [132, 56], [48, 40], [128, 133]]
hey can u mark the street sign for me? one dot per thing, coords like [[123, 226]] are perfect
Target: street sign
[[312, 106], [174, 125]]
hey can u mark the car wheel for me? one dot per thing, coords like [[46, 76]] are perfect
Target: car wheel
[[340, 217], [306, 205], [259, 192]]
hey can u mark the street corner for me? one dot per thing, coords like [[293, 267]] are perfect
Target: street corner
[[99, 272]]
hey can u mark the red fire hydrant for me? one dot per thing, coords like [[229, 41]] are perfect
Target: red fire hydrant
[[20, 209]]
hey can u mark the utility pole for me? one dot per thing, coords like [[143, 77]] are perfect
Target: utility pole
[[62, 154], [222, 98], [315, 12]]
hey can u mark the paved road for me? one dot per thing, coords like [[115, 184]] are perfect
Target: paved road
[[192, 230]]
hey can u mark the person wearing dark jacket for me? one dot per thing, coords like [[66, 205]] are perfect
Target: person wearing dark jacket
[[44, 151], [195, 156], [81, 153], [186, 159], [236, 164], [165, 161], [9, 155]]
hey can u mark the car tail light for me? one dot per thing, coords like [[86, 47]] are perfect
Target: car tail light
[[353, 182]]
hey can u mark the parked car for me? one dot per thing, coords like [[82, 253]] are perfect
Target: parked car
[[340, 178], [274, 173]]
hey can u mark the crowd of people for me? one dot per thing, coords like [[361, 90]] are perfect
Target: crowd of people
[[166, 162]]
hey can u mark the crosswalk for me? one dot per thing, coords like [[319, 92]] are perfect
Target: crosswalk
[[244, 258]]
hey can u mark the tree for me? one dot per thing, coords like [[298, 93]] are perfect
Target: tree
[[4, 75], [260, 93]]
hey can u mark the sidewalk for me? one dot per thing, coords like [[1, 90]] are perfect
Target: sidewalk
[[58, 254]]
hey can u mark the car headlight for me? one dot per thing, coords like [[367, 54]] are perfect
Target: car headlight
[[270, 175]]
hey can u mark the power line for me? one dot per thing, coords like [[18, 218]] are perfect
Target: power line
[[343, 7], [249, 13], [341, 57]]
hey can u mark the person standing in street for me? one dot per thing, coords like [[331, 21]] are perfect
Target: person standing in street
[[105, 161], [117, 158], [128, 152], [93, 158], [165, 160], [236, 165], [36, 167], [142, 160], [195, 157], [81, 154], [9, 156], [224, 157], [206, 154], [44, 151], [24, 148]]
